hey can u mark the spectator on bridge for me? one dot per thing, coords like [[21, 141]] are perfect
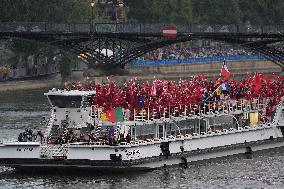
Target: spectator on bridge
[[185, 51]]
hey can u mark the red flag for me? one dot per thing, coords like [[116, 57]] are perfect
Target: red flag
[[110, 114], [214, 78], [224, 71], [169, 31], [257, 82], [154, 89]]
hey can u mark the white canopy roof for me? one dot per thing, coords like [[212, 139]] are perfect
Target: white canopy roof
[[69, 93]]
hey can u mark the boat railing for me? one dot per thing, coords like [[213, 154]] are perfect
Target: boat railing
[[6, 140], [60, 151], [177, 127], [204, 109], [51, 151], [46, 151], [279, 116], [49, 125]]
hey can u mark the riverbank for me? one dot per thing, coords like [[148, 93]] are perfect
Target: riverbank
[[172, 72], [53, 81], [56, 81], [31, 84]]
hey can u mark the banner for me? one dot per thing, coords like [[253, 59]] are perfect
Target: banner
[[196, 60]]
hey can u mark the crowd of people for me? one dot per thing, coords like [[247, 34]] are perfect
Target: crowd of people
[[159, 95], [186, 51], [69, 136], [29, 136], [174, 97], [278, 46]]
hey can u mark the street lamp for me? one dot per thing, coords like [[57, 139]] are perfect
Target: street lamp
[[119, 11], [92, 20]]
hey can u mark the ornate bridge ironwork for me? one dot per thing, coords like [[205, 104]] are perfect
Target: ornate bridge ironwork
[[118, 44]]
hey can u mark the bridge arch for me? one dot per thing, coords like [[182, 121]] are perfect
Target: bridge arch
[[132, 48], [127, 46]]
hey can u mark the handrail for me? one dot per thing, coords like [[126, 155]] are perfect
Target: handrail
[[230, 115], [133, 27], [49, 125], [177, 127], [208, 109], [53, 150]]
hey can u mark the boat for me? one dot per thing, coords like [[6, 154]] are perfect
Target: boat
[[75, 135]]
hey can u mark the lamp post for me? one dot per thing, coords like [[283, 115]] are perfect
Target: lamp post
[[119, 9], [92, 20]]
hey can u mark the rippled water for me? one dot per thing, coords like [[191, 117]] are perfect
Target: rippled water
[[26, 109], [20, 110]]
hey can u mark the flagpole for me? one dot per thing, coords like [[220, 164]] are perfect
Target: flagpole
[[224, 63], [213, 92]]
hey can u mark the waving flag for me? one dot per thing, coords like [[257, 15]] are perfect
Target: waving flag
[[224, 71], [169, 31], [118, 114], [115, 115], [154, 89], [110, 115], [225, 86], [104, 117], [257, 82], [140, 101]]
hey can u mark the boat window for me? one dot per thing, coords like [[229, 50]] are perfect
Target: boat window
[[65, 101]]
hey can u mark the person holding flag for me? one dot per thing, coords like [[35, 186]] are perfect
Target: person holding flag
[[224, 71], [153, 91]]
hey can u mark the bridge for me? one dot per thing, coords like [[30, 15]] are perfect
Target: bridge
[[117, 44]]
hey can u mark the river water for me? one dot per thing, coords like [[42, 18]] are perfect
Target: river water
[[20, 110]]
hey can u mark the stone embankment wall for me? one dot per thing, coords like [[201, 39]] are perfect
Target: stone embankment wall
[[183, 70], [148, 73]]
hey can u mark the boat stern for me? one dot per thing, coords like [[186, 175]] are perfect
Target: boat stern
[[19, 150]]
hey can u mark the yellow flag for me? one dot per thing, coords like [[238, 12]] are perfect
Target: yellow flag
[[218, 91], [104, 117]]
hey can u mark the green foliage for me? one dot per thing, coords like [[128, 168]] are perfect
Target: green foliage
[[149, 11], [51, 11], [263, 11], [54, 11], [66, 61], [216, 11], [160, 11], [207, 11]]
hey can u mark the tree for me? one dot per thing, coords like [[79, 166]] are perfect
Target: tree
[[207, 11], [263, 11], [65, 65], [51, 11], [216, 11], [160, 11], [45, 11]]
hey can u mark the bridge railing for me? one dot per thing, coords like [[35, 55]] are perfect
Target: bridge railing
[[273, 29], [41, 27]]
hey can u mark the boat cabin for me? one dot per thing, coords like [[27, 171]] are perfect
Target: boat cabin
[[71, 112]]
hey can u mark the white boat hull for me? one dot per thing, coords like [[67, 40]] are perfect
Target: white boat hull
[[143, 156]]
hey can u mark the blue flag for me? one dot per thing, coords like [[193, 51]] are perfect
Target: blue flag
[[140, 101], [225, 86]]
